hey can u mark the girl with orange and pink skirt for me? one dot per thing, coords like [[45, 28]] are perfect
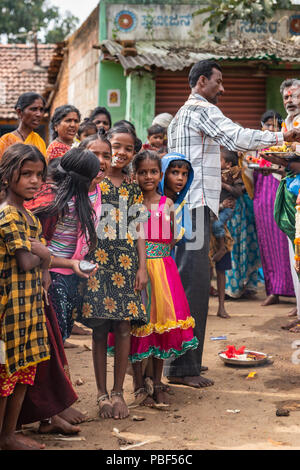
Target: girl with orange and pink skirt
[[169, 332]]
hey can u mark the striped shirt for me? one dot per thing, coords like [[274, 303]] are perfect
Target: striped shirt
[[197, 131], [64, 241]]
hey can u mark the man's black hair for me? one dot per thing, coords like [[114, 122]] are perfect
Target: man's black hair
[[203, 67]]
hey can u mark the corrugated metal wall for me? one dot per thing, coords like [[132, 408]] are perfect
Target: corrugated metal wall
[[244, 100]]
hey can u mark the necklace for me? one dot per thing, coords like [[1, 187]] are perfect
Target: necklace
[[62, 142], [22, 137]]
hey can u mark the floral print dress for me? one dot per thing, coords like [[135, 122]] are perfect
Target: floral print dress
[[110, 294]]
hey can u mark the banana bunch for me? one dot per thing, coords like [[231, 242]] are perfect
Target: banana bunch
[[286, 147]]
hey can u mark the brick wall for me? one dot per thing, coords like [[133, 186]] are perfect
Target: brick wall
[[84, 65], [61, 96], [78, 76]]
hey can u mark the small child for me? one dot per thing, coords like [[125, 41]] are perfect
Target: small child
[[169, 332], [177, 178], [23, 262], [85, 129], [221, 241], [69, 228], [232, 186], [156, 137]]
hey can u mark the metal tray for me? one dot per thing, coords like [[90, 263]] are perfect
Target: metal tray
[[284, 155], [239, 362]]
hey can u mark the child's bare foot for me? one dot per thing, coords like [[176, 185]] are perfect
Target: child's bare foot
[[160, 395], [58, 425], [73, 416], [120, 410], [30, 442], [16, 442], [222, 313], [105, 406]]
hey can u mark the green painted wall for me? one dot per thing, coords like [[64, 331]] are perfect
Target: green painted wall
[[140, 104], [111, 76], [137, 90]]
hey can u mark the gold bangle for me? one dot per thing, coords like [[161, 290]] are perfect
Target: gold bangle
[[50, 263]]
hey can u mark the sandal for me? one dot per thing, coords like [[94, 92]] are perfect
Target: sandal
[[140, 396], [101, 405]]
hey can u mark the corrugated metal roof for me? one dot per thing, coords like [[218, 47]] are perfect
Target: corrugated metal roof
[[172, 56]]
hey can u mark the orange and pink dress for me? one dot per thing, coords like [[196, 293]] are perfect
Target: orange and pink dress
[[169, 332]]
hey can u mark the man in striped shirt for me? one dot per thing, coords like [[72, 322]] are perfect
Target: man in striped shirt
[[197, 131]]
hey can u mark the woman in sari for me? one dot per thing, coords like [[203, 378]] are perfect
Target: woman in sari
[[64, 126], [30, 108], [242, 279], [273, 244]]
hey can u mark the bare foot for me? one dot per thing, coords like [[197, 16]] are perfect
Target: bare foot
[[34, 445], [15, 442], [105, 406], [293, 312], [80, 330], [68, 345], [73, 416], [57, 425], [191, 381], [222, 313], [120, 410], [271, 300], [160, 395]]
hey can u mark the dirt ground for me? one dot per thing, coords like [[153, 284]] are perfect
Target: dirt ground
[[198, 419]]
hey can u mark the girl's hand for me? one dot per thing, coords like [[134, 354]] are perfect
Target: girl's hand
[[46, 281], [141, 279], [77, 270], [39, 249]]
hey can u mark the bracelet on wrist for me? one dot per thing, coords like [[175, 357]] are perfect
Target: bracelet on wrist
[[50, 262]]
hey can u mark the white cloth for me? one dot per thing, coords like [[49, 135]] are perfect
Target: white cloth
[[197, 131], [295, 277], [290, 123]]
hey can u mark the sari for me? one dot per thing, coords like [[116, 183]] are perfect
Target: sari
[[57, 149], [245, 255], [273, 244], [32, 139]]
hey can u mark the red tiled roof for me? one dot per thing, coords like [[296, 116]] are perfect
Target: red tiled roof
[[19, 74]]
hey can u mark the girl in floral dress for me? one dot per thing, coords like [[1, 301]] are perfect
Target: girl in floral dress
[[112, 300]]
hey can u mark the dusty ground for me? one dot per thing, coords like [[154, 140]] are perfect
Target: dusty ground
[[198, 418]]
